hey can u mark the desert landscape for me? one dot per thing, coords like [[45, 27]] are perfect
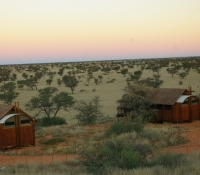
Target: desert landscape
[[107, 81]]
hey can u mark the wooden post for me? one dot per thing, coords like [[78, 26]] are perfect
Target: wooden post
[[199, 108], [3, 139], [172, 111], [18, 126], [181, 117], [33, 130], [15, 108], [163, 112]]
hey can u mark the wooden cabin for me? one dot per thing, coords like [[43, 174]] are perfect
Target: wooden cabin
[[176, 105], [16, 127]]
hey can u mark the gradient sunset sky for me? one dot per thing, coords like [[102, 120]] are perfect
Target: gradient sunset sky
[[37, 31]]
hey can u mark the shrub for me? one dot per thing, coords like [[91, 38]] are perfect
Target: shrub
[[94, 90], [89, 111], [114, 153], [169, 160], [82, 90], [120, 128], [180, 82], [52, 141], [46, 121]]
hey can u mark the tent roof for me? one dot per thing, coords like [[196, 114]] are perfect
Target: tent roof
[[182, 98]]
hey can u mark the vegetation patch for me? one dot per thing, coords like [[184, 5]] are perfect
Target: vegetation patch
[[46, 121], [52, 141]]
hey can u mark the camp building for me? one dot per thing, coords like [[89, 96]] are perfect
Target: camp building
[[16, 127], [176, 105]]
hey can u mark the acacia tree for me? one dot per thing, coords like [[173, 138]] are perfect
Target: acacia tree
[[4, 74], [124, 72], [100, 78], [154, 82], [136, 99], [89, 111], [173, 70], [156, 69], [136, 75], [70, 81], [8, 93], [50, 102]]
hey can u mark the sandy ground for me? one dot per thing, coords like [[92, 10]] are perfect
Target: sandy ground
[[192, 134]]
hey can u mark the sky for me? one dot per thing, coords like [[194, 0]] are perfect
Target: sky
[[87, 30]]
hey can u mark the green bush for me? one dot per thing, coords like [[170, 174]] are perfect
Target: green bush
[[126, 127], [169, 160], [45, 121], [180, 82], [112, 154], [120, 127]]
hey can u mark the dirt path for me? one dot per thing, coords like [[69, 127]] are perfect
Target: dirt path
[[193, 135], [46, 159]]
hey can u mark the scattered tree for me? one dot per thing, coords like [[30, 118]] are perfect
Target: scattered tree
[[49, 81], [50, 102], [182, 74], [136, 75], [124, 72], [174, 70], [70, 81], [136, 99], [100, 78], [154, 82], [89, 111], [8, 93], [59, 81], [96, 81]]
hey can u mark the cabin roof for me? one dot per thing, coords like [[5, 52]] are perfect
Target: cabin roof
[[4, 110], [167, 96]]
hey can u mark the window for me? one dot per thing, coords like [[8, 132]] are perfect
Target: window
[[9, 124], [168, 107], [185, 103], [23, 122], [194, 100], [159, 106]]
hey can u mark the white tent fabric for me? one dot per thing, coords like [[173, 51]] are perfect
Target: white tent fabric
[[182, 98], [7, 117]]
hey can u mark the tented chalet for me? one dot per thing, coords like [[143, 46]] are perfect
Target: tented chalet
[[176, 105], [16, 127]]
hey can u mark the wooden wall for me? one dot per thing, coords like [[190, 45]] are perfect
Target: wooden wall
[[17, 136], [179, 113], [195, 111]]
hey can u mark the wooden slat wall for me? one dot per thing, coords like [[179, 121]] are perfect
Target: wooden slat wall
[[168, 115], [159, 117], [1, 135], [9, 137], [27, 137], [185, 113], [195, 111], [176, 113]]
